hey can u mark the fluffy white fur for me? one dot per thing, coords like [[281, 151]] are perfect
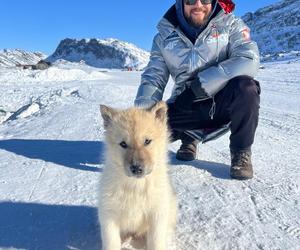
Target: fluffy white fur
[[143, 207]]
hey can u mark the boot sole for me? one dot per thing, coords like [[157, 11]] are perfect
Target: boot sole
[[241, 178], [186, 158]]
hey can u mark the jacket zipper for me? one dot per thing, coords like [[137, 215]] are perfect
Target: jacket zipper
[[212, 110], [217, 33], [193, 59]]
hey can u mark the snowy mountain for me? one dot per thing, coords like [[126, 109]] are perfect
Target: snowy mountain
[[276, 28], [106, 53], [15, 57]]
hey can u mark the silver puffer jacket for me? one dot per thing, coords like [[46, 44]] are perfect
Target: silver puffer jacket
[[222, 51]]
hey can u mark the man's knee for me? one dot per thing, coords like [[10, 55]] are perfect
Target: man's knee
[[245, 85]]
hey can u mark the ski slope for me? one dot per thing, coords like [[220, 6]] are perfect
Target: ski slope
[[51, 158]]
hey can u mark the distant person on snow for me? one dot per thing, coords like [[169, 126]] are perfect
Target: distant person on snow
[[212, 60]]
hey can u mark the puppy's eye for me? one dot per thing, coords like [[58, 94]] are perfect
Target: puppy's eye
[[147, 142], [123, 144]]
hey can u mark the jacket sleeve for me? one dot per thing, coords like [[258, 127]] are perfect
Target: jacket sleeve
[[243, 59], [154, 79]]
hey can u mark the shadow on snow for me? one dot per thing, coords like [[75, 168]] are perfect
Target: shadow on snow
[[218, 170], [39, 226], [74, 154]]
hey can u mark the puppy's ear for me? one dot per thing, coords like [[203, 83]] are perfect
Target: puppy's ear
[[107, 114], [160, 110]]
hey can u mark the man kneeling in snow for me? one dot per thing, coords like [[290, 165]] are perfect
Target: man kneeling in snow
[[212, 60]]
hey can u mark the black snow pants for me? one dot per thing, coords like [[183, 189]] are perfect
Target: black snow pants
[[238, 103]]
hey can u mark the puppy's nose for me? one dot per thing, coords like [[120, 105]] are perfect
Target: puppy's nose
[[136, 169]]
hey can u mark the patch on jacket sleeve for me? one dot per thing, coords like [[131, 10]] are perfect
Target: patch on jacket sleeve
[[246, 34]]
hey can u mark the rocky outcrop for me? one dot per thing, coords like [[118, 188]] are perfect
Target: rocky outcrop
[[18, 57], [106, 53]]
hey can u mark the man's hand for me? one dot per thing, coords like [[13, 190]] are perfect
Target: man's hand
[[192, 92], [197, 89]]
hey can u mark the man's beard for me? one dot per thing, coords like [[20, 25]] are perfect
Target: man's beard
[[196, 23]]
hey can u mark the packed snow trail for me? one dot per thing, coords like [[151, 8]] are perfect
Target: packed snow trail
[[52, 158]]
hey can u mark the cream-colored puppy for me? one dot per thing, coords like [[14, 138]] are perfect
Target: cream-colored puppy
[[136, 195]]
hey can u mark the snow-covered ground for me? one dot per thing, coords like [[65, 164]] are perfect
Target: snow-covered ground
[[51, 157]]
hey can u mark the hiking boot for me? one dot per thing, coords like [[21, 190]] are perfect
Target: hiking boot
[[241, 166], [187, 151]]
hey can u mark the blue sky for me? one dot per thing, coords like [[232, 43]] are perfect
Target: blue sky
[[38, 25]]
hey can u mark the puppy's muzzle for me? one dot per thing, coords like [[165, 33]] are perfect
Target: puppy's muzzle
[[137, 170]]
